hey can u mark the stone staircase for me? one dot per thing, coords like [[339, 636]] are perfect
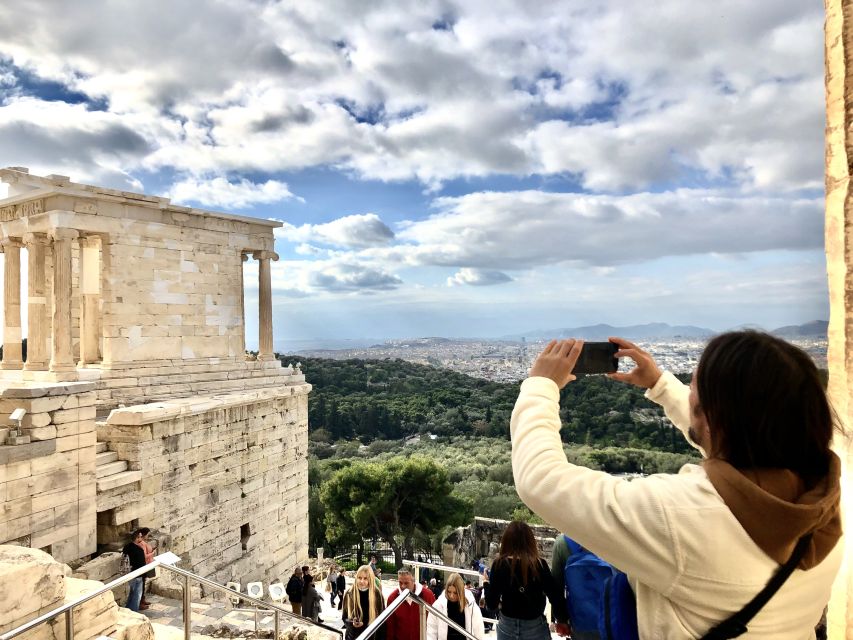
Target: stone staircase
[[119, 499], [110, 472]]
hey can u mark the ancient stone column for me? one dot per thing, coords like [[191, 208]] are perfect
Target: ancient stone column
[[265, 351], [90, 290], [243, 258], [62, 359], [839, 263], [37, 320], [12, 304]]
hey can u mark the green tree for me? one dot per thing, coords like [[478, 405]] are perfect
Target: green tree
[[396, 501]]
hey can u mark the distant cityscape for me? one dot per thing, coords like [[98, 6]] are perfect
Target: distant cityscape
[[510, 360]]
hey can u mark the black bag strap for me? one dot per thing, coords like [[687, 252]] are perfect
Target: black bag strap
[[735, 625]]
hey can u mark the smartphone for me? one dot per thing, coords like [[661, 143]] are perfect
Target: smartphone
[[597, 357]]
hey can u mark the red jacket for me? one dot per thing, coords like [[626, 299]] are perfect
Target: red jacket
[[405, 622]]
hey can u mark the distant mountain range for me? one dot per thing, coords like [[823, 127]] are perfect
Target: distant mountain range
[[813, 329], [662, 330], [598, 332]]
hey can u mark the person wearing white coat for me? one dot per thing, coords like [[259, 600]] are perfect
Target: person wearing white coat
[[467, 616]]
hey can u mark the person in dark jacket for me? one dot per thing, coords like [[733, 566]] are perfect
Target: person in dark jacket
[[342, 586], [362, 604], [133, 550], [294, 591], [311, 599], [519, 582]]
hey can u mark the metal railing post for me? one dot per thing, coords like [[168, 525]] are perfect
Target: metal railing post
[[277, 626], [423, 613], [257, 622], [187, 609], [69, 624]]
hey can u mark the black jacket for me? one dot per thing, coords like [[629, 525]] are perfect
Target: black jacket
[[294, 589], [136, 555]]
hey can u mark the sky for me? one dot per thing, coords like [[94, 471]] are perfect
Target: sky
[[460, 169]]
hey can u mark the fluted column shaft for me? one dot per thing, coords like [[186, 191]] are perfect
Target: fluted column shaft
[[61, 357], [243, 258], [12, 305], [265, 350], [90, 291], [37, 320]]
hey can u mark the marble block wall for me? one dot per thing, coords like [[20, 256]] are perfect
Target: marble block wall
[[47, 487], [224, 478]]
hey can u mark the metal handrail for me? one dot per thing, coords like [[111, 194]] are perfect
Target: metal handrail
[[438, 614], [405, 595], [447, 569], [442, 567], [370, 629], [266, 605], [68, 608]]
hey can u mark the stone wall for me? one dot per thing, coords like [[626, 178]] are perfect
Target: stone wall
[[481, 539], [839, 262], [224, 479], [47, 487]]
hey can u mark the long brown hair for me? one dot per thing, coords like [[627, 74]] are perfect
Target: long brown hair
[[765, 404], [519, 551]]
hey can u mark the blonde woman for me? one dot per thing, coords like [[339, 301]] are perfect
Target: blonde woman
[[363, 602], [458, 604]]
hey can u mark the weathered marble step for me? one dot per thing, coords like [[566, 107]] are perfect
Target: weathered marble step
[[100, 447], [106, 457], [111, 468], [118, 480]]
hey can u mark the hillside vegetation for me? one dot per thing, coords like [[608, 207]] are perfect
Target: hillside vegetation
[[455, 429], [369, 400]]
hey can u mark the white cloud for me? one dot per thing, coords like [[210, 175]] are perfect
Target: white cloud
[[623, 97], [220, 192], [477, 277], [519, 230], [354, 231]]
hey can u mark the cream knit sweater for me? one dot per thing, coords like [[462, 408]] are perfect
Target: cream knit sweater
[[691, 563]]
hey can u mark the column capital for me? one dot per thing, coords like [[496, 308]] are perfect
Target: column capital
[[63, 233], [11, 242], [244, 257], [265, 255], [90, 241], [35, 238]]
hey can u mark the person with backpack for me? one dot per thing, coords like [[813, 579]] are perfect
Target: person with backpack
[[748, 540], [581, 629], [519, 582], [133, 558]]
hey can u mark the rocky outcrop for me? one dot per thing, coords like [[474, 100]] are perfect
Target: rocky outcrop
[[32, 583]]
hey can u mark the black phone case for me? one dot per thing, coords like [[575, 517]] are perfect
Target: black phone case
[[597, 357]]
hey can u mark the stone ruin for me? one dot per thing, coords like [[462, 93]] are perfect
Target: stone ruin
[[482, 538], [142, 407]]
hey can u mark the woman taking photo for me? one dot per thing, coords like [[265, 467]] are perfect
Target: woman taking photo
[[362, 604], [519, 582], [458, 604]]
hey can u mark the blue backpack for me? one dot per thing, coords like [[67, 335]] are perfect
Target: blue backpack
[[598, 596]]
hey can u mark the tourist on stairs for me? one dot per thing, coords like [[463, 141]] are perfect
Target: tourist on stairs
[[518, 582], [362, 604], [460, 605]]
